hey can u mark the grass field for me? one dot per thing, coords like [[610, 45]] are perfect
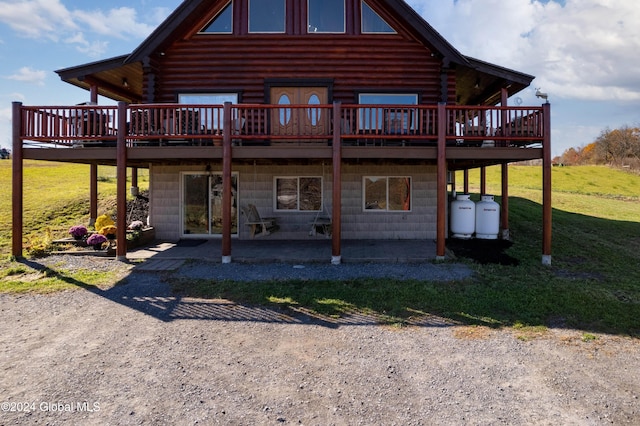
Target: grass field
[[593, 283]]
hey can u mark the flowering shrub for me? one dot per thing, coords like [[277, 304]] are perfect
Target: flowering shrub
[[136, 225], [78, 231], [95, 239], [102, 221], [108, 230]]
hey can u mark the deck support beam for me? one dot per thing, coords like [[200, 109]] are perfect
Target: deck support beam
[[17, 181], [546, 185], [134, 181], [226, 185], [504, 206], [441, 215], [466, 181], [336, 256], [483, 180], [121, 173], [93, 194]]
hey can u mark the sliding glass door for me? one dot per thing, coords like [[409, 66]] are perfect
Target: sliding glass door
[[202, 204]]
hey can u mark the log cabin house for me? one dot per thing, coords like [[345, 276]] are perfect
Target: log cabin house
[[347, 114]]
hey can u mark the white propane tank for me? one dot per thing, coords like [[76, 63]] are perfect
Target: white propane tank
[[463, 212], [487, 218]]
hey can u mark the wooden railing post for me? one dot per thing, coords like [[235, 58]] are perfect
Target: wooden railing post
[[441, 221], [336, 256], [546, 185], [121, 173], [226, 183], [17, 181]]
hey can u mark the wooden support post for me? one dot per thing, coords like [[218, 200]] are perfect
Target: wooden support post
[[134, 182], [94, 94], [336, 256], [504, 208], [121, 173], [226, 184], [546, 185], [483, 180], [17, 181], [441, 183], [93, 194]]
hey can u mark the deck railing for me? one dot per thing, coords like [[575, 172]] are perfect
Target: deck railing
[[371, 125]]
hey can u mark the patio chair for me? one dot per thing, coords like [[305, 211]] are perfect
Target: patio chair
[[259, 225]]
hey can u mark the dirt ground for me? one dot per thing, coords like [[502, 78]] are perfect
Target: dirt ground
[[139, 354]]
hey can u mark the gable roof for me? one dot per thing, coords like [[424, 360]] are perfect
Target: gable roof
[[477, 82]]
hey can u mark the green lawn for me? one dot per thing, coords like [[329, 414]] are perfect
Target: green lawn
[[593, 283]]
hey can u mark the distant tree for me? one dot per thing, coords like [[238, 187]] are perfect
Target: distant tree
[[615, 146]]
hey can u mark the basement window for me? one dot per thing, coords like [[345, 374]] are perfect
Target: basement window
[[298, 193], [386, 193]]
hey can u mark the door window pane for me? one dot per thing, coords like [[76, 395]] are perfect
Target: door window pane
[[266, 16], [202, 204], [326, 16], [314, 113], [285, 113], [195, 201]]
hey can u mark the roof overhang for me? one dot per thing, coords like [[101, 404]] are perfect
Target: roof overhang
[[481, 83], [113, 78]]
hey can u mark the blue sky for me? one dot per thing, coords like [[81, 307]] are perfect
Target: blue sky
[[582, 52]]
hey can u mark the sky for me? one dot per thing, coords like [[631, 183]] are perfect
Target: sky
[[584, 53]]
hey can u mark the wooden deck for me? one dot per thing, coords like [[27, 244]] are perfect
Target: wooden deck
[[166, 133]]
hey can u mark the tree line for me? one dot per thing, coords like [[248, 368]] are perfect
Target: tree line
[[617, 148]]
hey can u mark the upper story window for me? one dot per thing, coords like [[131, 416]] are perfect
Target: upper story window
[[267, 16], [393, 120], [372, 23], [222, 23], [326, 16], [209, 119]]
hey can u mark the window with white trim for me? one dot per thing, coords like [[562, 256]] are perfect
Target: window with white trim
[[375, 119], [298, 193], [210, 119], [386, 193]]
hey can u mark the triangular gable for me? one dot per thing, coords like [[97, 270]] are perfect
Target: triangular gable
[[191, 11]]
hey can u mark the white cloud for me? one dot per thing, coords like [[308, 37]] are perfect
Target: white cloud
[[585, 49], [36, 18], [29, 75], [87, 30], [120, 22], [96, 49]]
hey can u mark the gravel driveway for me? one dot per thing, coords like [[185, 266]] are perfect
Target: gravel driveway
[[138, 354]]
